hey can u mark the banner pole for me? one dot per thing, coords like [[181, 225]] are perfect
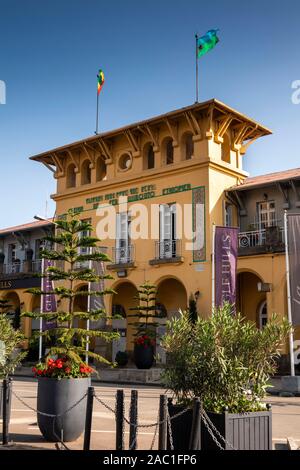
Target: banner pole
[[41, 311], [287, 265], [88, 309], [197, 71], [213, 268]]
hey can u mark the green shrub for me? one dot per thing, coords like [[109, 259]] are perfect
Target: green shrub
[[10, 340], [225, 360]]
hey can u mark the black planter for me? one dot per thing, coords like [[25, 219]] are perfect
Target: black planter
[[143, 357], [181, 427], [244, 431], [247, 431], [55, 397]]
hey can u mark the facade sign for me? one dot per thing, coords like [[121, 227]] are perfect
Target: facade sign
[[226, 251]]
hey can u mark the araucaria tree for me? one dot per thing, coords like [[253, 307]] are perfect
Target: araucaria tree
[[145, 311], [73, 256]]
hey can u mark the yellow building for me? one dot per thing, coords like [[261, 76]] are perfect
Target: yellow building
[[151, 186], [169, 164]]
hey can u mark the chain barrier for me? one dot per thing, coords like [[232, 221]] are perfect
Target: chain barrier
[[213, 431]]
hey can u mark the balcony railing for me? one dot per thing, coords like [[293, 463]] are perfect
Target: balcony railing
[[123, 255], [271, 238], [21, 267], [167, 249]]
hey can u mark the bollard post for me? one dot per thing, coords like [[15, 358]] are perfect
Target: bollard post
[[162, 432], [133, 420], [120, 420], [88, 419], [195, 437], [5, 412]]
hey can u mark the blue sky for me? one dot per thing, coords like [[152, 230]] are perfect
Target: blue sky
[[51, 51]]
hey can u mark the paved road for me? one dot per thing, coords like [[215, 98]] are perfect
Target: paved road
[[24, 429]]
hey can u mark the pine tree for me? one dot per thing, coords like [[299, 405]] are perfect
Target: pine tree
[[68, 340]]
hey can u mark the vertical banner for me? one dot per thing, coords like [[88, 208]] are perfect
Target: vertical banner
[[95, 303], [293, 231], [226, 251], [48, 299]]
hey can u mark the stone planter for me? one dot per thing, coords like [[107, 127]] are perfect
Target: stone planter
[[143, 357], [55, 397]]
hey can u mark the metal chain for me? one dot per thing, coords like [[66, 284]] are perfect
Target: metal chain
[[155, 433], [105, 405], [170, 430], [206, 419], [211, 433], [48, 414]]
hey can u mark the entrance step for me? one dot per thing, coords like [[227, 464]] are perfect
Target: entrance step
[[131, 375]]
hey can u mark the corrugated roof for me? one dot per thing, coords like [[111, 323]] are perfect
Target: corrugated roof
[[28, 226], [268, 179]]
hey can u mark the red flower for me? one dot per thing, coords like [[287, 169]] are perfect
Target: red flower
[[67, 370]]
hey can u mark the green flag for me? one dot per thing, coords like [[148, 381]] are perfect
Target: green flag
[[207, 42]]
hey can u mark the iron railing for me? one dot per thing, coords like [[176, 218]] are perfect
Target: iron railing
[[21, 267], [167, 249], [123, 254], [261, 238]]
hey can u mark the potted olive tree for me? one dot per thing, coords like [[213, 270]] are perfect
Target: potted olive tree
[[226, 362], [145, 326], [63, 375]]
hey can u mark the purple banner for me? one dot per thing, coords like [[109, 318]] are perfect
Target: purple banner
[[294, 262], [226, 250], [48, 299]]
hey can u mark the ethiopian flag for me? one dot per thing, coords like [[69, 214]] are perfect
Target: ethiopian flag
[[100, 81], [207, 42]]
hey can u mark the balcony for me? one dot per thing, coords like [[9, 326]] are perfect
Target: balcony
[[20, 268], [167, 251], [122, 258], [268, 240]]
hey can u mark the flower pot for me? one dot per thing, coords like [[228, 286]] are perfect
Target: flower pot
[[242, 431], [181, 427], [143, 356], [55, 396]]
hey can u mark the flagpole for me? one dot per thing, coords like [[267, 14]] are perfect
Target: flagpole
[[41, 311], [289, 304], [213, 268], [196, 56], [97, 113]]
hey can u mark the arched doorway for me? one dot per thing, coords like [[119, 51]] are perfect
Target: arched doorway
[[250, 301], [171, 294], [123, 300], [14, 309]]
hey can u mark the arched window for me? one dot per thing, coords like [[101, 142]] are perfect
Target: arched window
[[169, 151], [100, 169], [71, 176], [86, 175], [187, 147], [225, 150], [149, 157], [262, 315]]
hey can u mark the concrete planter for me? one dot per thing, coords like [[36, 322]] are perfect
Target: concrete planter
[[55, 397], [290, 384]]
